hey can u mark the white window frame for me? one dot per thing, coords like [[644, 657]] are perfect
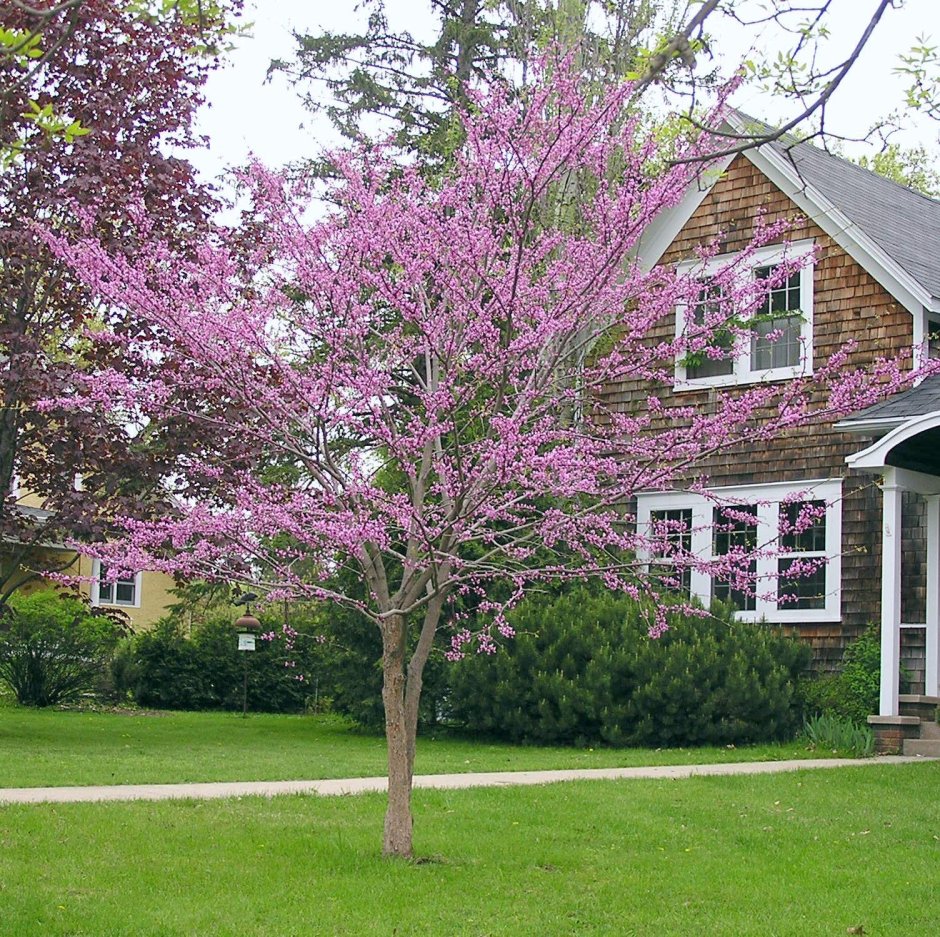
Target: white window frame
[[96, 599], [768, 499], [930, 319], [742, 373], [667, 561]]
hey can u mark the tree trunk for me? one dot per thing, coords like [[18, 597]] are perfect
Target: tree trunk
[[398, 823]]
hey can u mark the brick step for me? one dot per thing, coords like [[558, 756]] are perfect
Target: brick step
[[926, 748], [929, 730], [924, 707]]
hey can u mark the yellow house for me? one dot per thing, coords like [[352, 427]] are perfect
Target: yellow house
[[143, 598]]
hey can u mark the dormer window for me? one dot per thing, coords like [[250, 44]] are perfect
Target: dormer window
[[780, 327]]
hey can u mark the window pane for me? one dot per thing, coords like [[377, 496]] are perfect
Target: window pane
[[673, 530], [120, 592], [804, 590], [803, 527], [707, 312], [933, 339], [778, 324], [125, 592], [776, 343], [735, 531], [673, 533]]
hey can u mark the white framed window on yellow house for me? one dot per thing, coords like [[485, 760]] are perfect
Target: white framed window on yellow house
[[121, 592], [780, 343], [791, 527]]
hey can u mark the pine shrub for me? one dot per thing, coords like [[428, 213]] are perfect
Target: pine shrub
[[582, 668]]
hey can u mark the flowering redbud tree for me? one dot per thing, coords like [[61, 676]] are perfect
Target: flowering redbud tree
[[411, 378]]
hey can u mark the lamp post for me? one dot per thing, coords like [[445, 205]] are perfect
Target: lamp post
[[246, 626]]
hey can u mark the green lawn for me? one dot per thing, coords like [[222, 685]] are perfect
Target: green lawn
[[46, 747], [804, 854]]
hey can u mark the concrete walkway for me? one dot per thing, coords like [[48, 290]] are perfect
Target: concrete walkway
[[38, 795]]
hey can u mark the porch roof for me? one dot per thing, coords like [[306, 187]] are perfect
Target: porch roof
[[912, 444], [897, 409]]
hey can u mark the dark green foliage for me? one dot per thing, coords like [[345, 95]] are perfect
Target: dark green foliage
[[861, 674], [352, 668], [838, 734], [170, 670], [582, 668], [54, 648], [413, 85], [853, 693], [167, 670], [123, 670]]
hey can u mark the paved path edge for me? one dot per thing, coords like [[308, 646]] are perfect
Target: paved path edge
[[337, 786]]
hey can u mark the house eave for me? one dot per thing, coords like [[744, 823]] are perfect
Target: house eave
[[870, 427], [848, 235], [38, 544], [818, 209]]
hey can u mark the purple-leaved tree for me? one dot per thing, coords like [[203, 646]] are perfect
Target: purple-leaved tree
[[91, 94], [415, 382]]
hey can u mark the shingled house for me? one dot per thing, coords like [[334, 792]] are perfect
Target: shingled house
[[875, 278]]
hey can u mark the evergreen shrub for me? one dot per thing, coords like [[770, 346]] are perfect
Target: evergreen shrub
[[205, 670], [582, 669], [54, 648], [852, 693]]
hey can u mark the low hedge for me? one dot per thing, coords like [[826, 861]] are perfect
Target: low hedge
[[168, 669], [583, 669]]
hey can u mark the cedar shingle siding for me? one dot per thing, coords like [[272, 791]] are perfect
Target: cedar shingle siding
[[849, 305]]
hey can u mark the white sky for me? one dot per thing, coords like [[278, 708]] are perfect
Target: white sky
[[246, 115]]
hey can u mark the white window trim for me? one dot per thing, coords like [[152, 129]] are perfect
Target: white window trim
[[768, 499], [742, 373], [96, 596], [922, 325]]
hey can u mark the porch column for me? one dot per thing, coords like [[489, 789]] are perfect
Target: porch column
[[932, 676], [890, 593]]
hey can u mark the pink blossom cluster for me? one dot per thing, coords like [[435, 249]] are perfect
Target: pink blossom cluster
[[417, 383]]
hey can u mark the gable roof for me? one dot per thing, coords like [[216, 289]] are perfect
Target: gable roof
[[904, 223], [890, 231]]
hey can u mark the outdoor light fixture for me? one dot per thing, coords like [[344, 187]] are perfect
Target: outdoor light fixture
[[247, 626]]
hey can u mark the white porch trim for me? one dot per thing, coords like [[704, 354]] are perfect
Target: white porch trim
[[895, 481], [932, 670], [875, 456], [890, 595]]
